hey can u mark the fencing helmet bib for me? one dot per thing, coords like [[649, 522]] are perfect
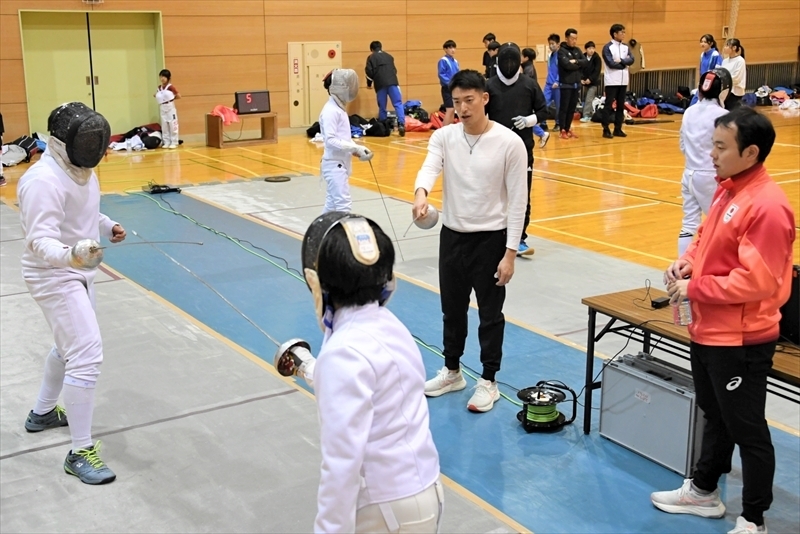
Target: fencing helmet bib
[[343, 84], [509, 60], [361, 260], [85, 133], [715, 83]]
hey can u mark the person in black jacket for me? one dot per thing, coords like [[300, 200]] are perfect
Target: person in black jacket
[[381, 71], [571, 62], [590, 80], [488, 60], [517, 102]]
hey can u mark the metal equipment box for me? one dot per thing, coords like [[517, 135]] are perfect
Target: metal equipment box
[[649, 407]]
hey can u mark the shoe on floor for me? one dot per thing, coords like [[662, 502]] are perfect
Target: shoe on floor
[[172, 146], [486, 394], [586, 119], [2, 181], [53, 419], [445, 381], [607, 134], [620, 133], [571, 135], [544, 139], [686, 500], [563, 135], [87, 466], [401, 129], [743, 526], [556, 128], [524, 249]]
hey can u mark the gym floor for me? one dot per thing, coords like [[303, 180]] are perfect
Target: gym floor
[[205, 436]]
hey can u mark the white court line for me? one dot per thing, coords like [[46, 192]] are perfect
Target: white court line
[[597, 212], [787, 144], [614, 171], [606, 184], [784, 172], [583, 157], [789, 181]]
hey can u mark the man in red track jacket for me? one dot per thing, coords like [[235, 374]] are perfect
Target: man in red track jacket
[[736, 275]]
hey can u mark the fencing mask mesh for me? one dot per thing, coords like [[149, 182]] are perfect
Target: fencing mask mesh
[[508, 60], [85, 133], [343, 84]]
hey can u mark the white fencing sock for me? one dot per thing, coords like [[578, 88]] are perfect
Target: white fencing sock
[[52, 383], [684, 240], [79, 403]]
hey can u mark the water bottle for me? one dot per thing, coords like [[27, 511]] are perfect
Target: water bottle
[[682, 312]]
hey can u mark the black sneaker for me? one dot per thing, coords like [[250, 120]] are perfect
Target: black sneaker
[[620, 133], [556, 128], [607, 134], [401, 129], [53, 419]]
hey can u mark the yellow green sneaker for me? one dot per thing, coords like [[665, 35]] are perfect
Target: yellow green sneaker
[[87, 466]]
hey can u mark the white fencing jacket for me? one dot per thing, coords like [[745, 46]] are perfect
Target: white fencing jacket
[[697, 130], [334, 125], [56, 213], [376, 442]]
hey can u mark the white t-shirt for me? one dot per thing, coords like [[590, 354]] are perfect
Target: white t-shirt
[[736, 66], [484, 190]]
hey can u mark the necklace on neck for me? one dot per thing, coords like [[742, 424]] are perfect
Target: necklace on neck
[[476, 141]]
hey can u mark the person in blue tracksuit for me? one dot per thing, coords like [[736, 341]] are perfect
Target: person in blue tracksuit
[[710, 58], [448, 67], [551, 91]]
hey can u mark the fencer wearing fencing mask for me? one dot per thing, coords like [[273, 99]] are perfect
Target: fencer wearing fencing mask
[[509, 60], [380, 467], [334, 125], [79, 137], [342, 84]]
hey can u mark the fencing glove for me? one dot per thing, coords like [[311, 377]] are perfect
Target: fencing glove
[[521, 122]]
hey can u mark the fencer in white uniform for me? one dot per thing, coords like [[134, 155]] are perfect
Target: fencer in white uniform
[[697, 128], [59, 201], [380, 467], [334, 124], [166, 94]]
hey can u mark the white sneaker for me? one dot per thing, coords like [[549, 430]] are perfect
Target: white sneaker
[[743, 526], [685, 500], [486, 394], [544, 139], [445, 381], [172, 146]]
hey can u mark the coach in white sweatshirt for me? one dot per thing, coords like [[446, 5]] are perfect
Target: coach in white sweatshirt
[[484, 166]]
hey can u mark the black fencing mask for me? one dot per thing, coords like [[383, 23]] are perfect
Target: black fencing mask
[[85, 133]]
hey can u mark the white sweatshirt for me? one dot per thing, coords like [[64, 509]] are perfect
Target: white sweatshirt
[[375, 436], [56, 213], [334, 125], [736, 66], [483, 191], [697, 130]]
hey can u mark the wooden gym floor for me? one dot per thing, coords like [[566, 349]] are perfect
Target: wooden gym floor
[[618, 197]]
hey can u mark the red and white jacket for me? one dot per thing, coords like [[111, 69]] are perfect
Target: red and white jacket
[[741, 262]]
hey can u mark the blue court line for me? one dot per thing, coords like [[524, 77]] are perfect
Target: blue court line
[[564, 482]]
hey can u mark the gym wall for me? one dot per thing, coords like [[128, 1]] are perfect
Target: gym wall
[[215, 48]]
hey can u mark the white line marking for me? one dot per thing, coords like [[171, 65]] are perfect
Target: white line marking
[[674, 182], [597, 212], [785, 172], [583, 157], [596, 182], [789, 181]]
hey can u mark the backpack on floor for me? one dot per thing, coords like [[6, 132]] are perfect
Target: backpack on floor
[[14, 155], [28, 144]]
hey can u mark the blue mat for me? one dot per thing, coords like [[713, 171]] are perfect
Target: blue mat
[[560, 482]]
